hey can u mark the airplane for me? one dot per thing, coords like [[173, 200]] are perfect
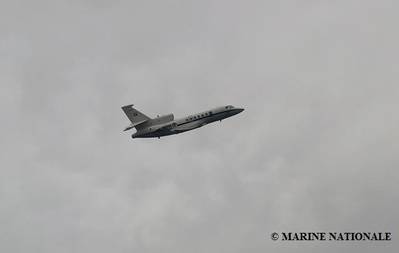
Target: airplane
[[166, 125]]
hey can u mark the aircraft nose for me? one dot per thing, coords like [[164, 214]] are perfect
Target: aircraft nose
[[238, 110]]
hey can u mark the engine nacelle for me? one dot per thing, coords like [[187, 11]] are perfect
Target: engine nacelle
[[162, 119]]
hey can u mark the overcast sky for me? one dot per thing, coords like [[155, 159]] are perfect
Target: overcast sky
[[315, 150]]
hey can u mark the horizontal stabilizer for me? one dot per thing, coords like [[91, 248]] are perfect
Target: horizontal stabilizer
[[133, 125]]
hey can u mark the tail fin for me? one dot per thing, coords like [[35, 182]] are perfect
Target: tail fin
[[134, 116]]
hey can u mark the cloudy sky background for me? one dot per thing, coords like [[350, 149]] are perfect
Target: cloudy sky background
[[315, 150]]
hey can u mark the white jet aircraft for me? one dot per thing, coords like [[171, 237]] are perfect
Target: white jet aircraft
[[167, 125]]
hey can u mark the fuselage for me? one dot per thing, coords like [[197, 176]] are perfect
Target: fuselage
[[187, 123]]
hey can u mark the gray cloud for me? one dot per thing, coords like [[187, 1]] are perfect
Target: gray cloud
[[316, 148]]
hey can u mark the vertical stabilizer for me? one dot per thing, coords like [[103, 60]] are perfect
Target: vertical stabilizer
[[135, 116]]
